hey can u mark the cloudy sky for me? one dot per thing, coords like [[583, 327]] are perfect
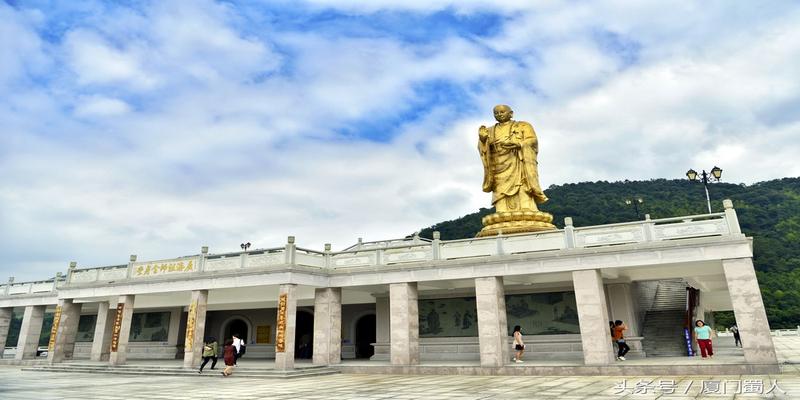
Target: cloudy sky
[[157, 127]]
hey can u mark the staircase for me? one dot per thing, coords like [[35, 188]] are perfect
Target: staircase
[[664, 320], [149, 370]]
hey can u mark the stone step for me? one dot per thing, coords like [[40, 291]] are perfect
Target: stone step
[[178, 371]]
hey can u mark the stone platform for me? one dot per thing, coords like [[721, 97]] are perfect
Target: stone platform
[[175, 368]]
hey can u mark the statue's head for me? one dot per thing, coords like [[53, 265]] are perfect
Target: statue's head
[[503, 113]]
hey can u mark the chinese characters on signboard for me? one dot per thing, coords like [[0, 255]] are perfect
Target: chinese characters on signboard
[[117, 327], [280, 334], [190, 321], [164, 268], [54, 329]]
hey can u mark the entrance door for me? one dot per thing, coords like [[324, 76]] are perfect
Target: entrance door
[[365, 336], [236, 326], [304, 335]]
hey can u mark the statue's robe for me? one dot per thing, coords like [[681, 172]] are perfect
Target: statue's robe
[[511, 174]]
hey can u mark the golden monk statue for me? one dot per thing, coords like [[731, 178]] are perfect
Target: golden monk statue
[[510, 171]]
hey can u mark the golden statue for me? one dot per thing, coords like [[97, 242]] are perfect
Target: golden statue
[[510, 171]]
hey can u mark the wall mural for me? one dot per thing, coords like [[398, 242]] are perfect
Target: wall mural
[[448, 317], [86, 325], [537, 314], [149, 327]]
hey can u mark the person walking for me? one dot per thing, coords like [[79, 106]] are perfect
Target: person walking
[[210, 353], [519, 346], [702, 334], [237, 344], [736, 336], [619, 337], [229, 356]]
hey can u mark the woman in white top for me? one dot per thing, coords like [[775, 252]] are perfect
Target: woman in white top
[[519, 346], [237, 344]]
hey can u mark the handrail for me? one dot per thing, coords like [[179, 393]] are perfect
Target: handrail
[[239, 253], [103, 267]]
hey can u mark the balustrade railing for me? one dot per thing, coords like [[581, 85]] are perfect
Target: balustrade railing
[[397, 252]]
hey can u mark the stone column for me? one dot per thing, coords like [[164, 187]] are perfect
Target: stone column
[[121, 330], [175, 326], [492, 325], [29, 332], [327, 326], [284, 333], [382, 320], [64, 331], [6, 313], [404, 323], [593, 317], [382, 327], [621, 304], [103, 329], [748, 309], [195, 329]]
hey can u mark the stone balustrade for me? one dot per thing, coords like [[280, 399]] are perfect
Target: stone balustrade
[[392, 252]]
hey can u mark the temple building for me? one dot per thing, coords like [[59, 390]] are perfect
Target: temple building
[[403, 303]]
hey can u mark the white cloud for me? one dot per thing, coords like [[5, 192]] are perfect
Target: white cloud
[[101, 106], [252, 133]]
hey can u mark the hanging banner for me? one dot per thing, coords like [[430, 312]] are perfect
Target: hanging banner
[[191, 318], [54, 329], [117, 327], [280, 333]]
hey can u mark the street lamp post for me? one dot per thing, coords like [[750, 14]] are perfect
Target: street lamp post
[[706, 178], [245, 246], [635, 202]]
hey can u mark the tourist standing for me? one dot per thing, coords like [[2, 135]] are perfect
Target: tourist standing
[[736, 336], [229, 356], [210, 352], [519, 346], [702, 334], [619, 337], [611, 328]]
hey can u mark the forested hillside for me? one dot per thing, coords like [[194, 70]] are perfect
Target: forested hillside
[[768, 211]]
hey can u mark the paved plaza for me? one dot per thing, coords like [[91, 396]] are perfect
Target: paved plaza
[[17, 384]]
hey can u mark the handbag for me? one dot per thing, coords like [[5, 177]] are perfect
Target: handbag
[[520, 347], [242, 349]]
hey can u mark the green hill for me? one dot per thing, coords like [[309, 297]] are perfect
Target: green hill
[[768, 211]]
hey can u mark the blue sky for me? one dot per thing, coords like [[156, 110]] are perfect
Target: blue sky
[[154, 128]]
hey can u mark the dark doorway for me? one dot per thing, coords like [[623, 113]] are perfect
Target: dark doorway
[[304, 335], [365, 336], [237, 326]]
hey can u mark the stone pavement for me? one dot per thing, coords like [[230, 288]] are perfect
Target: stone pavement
[[16, 384]]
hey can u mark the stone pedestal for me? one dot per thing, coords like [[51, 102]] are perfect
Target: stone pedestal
[[121, 330], [29, 332], [404, 323], [516, 222], [621, 304], [327, 326], [6, 313], [593, 317], [195, 329], [284, 333], [492, 324], [748, 309], [64, 331], [103, 329]]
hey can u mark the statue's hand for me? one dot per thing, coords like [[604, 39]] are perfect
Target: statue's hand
[[483, 133]]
